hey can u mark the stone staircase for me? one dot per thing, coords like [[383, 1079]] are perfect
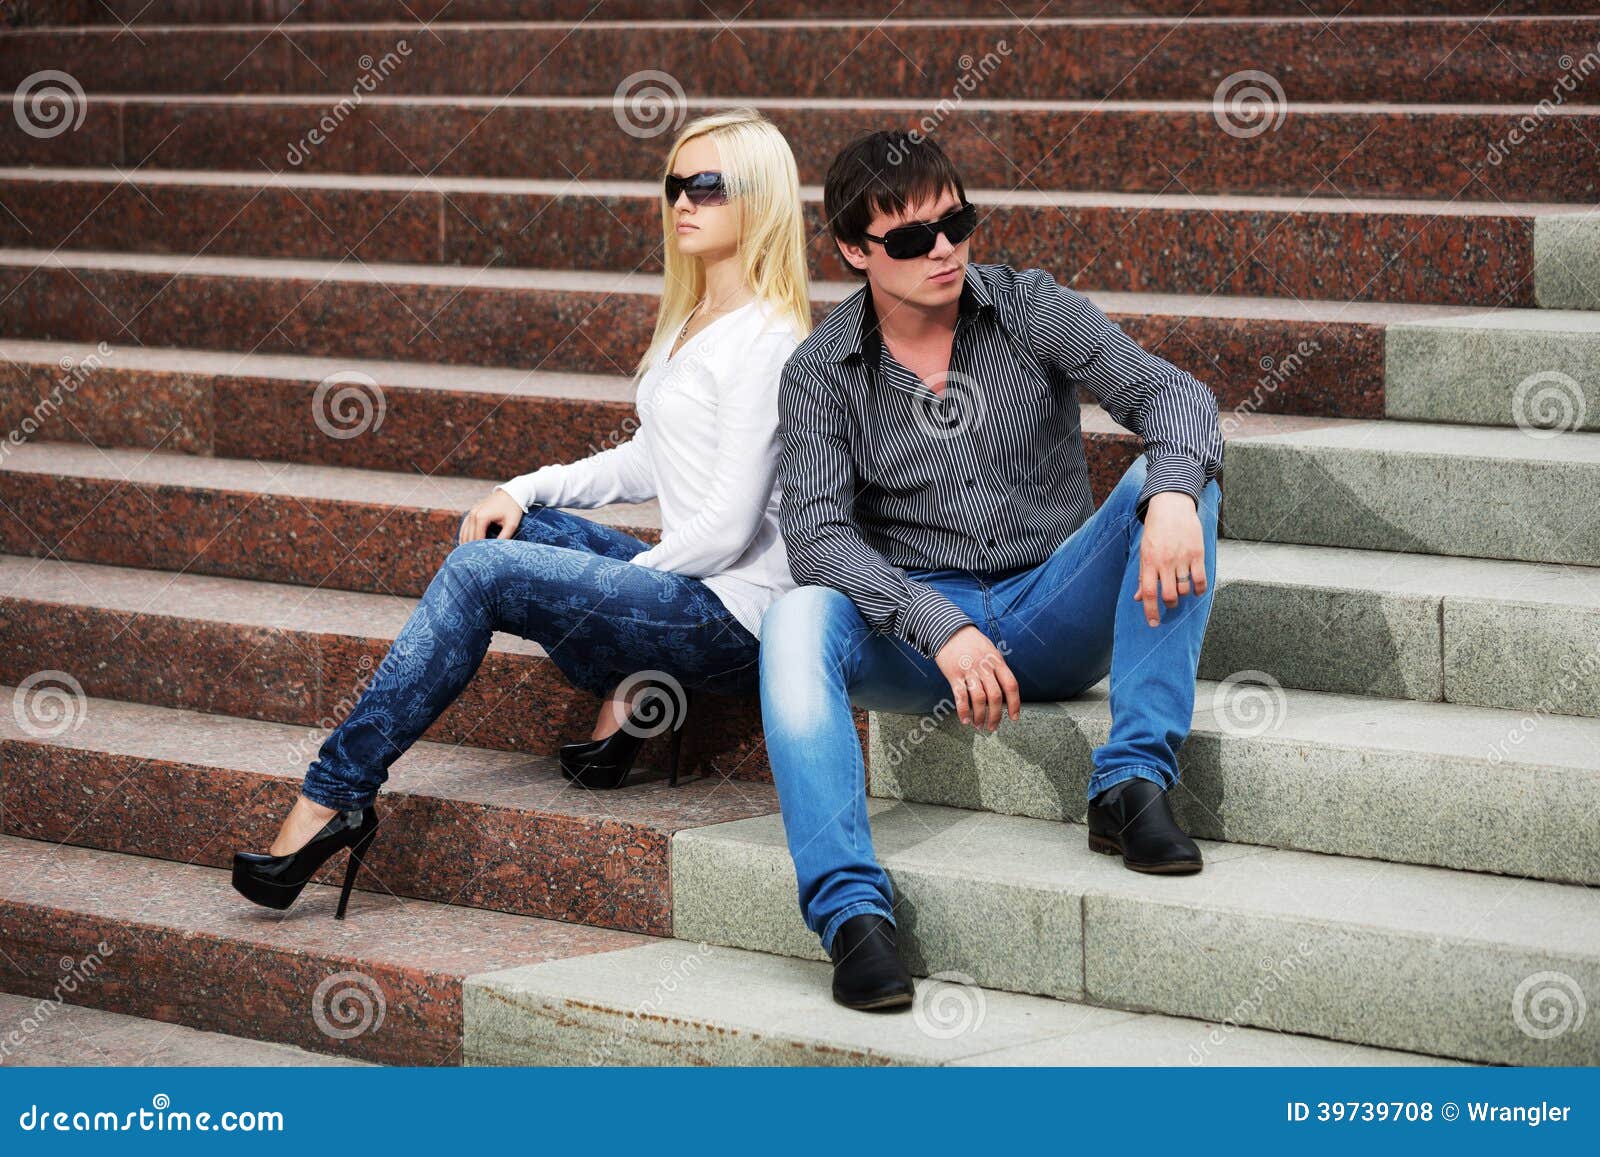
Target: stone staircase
[[251, 396]]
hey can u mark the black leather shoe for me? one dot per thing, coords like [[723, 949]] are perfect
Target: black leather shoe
[[867, 972], [276, 881], [1132, 819], [605, 763]]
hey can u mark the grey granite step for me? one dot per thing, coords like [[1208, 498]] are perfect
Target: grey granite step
[[1421, 783], [1452, 963], [1492, 633], [1566, 260], [1420, 487], [1510, 367], [677, 1003]]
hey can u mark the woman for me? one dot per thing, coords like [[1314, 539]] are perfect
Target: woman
[[620, 618]]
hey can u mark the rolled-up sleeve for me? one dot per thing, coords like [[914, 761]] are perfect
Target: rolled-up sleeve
[[1172, 411]]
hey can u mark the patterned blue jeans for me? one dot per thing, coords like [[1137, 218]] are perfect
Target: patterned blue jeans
[[564, 582]]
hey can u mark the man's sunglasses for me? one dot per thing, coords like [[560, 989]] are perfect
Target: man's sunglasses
[[918, 240], [703, 189]]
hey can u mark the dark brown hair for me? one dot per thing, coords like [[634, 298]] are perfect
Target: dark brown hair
[[883, 172]]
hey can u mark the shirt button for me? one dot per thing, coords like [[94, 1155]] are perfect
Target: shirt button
[[991, 544], [972, 481]]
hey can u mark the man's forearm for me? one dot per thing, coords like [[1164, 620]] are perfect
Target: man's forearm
[[888, 602]]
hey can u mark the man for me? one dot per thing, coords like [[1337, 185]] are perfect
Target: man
[[936, 509]]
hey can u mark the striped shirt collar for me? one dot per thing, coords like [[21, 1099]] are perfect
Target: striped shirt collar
[[851, 321]]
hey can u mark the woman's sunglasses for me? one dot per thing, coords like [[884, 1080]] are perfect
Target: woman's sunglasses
[[703, 189], [918, 240]]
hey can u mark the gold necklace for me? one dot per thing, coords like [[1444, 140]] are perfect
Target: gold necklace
[[711, 313], [714, 313]]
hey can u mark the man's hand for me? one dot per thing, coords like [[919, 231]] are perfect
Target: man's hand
[[983, 686], [1173, 553], [499, 508]]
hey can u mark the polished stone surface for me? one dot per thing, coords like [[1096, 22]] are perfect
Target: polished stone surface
[[175, 942]]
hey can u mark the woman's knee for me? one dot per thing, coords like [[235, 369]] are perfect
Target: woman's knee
[[471, 570]]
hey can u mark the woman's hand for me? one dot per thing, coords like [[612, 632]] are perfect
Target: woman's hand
[[499, 508]]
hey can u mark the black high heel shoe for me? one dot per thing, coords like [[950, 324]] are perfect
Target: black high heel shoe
[[605, 763], [276, 881]]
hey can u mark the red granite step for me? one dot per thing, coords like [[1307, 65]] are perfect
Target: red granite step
[[299, 655], [144, 13], [321, 526], [447, 421], [1441, 252], [539, 319], [74, 1036], [174, 942], [472, 421], [460, 824], [318, 526], [330, 527], [1020, 56], [1513, 151]]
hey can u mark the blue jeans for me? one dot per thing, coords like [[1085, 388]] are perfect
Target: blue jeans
[[1061, 625], [567, 584]]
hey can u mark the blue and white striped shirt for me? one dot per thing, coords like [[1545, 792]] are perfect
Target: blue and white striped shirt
[[879, 474]]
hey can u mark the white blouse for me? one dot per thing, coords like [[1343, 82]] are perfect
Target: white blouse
[[707, 448]]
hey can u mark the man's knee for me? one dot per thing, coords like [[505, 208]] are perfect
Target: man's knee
[[803, 624], [805, 663]]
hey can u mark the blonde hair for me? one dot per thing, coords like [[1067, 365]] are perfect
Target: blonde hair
[[759, 168]]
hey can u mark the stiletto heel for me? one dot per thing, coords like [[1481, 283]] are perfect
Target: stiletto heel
[[672, 764], [357, 857], [605, 763], [277, 881]]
